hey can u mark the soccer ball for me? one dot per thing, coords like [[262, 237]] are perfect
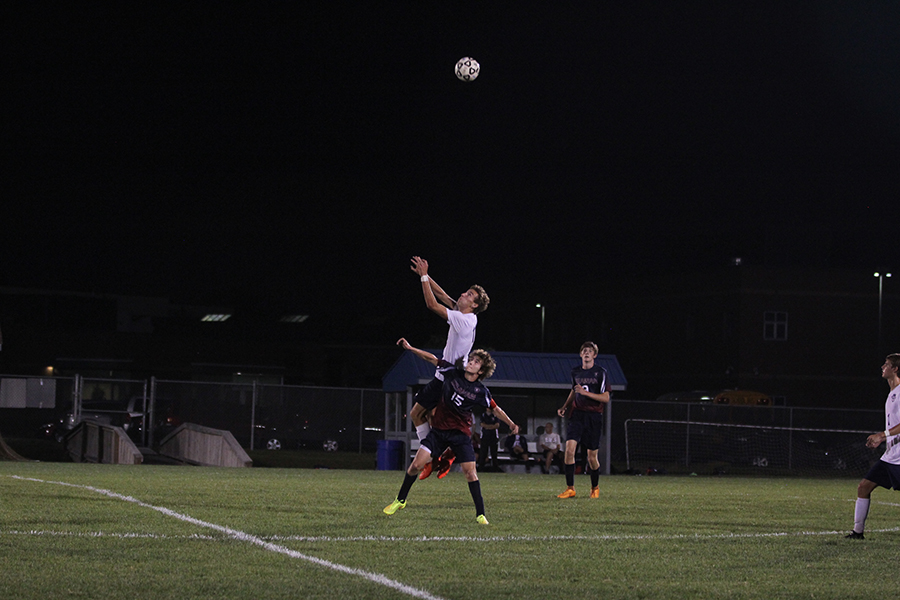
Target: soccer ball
[[467, 69]]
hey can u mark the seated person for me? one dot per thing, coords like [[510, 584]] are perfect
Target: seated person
[[517, 445], [551, 446]]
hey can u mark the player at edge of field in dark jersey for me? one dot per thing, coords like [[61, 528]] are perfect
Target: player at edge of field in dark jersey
[[589, 396], [451, 424]]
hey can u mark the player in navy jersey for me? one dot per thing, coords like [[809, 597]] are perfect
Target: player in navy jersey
[[451, 424], [461, 315], [589, 396]]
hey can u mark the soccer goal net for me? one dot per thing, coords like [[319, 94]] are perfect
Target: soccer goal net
[[694, 446]]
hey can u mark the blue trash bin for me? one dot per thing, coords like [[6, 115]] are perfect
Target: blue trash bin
[[389, 454]]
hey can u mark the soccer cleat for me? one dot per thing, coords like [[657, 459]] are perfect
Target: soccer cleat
[[855, 536], [569, 493], [394, 507], [446, 463], [595, 492], [482, 520], [426, 471]]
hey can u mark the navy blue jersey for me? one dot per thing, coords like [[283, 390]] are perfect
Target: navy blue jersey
[[592, 380], [458, 397], [489, 434]]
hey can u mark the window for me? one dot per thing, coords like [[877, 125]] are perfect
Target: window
[[775, 325]]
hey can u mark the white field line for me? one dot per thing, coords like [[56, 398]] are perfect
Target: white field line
[[463, 539], [246, 537]]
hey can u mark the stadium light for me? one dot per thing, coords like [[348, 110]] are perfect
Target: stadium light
[[543, 314], [880, 277]]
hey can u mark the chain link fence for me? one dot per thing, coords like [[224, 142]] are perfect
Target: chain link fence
[[642, 434], [273, 416]]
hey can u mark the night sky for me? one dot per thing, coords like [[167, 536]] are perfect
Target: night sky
[[299, 153]]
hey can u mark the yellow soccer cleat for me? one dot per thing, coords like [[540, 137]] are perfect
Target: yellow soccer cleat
[[482, 520], [394, 507]]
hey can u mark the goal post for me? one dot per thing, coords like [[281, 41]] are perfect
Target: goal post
[[681, 445]]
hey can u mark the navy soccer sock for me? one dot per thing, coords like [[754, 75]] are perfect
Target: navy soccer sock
[[570, 475], [404, 489], [475, 490]]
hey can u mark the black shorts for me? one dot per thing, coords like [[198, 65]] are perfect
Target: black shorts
[[885, 474], [429, 396], [585, 427], [439, 440]]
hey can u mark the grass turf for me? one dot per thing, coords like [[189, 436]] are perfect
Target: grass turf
[[646, 537]]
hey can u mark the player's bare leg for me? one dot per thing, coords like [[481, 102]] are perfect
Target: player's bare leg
[[422, 458], [571, 446], [594, 464], [468, 469]]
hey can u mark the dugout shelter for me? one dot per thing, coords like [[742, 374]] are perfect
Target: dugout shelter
[[530, 387]]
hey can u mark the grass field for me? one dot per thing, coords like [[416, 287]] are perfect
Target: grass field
[[103, 531]]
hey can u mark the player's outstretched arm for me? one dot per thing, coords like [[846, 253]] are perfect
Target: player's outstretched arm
[[441, 296], [420, 353], [513, 428], [420, 266]]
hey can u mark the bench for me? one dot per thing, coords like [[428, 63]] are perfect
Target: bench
[[507, 463]]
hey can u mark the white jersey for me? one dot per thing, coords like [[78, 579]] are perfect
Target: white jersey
[[460, 337], [892, 418], [551, 440]]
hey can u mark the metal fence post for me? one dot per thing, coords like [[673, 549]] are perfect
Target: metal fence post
[[253, 416], [151, 428], [361, 410], [608, 433], [687, 438]]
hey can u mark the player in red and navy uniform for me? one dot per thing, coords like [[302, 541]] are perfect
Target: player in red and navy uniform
[[589, 395], [451, 424]]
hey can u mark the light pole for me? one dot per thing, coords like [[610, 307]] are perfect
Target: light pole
[[880, 277], [543, 314]]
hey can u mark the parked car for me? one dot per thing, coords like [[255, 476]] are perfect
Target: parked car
[[743, 397], [127, 414]]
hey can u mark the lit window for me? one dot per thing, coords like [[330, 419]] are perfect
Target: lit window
[[294, 318], [215, 318]]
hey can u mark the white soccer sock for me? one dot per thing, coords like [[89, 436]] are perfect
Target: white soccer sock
[[422, 431], [860, 514]]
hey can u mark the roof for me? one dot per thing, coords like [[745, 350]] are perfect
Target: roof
[[514, 370]]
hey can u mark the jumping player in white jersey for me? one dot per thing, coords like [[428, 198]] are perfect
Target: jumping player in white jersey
[[461, 315], [589, 395], [462, 390], [886, 472]]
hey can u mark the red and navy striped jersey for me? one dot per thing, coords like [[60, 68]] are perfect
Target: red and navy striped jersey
[[592, 380], [459, 397]]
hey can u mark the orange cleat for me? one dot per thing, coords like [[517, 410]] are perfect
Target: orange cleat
[[569, 493], [595, 492], [426, 471], [447, 459]]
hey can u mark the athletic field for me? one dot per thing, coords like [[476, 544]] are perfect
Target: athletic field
[[102, 531]]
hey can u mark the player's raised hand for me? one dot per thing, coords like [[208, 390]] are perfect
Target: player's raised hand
[[404, 343], [419, 265]]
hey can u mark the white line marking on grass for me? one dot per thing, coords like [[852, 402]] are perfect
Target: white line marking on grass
[[246, 537], [564, 538], [427, 539], [101, 534]]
